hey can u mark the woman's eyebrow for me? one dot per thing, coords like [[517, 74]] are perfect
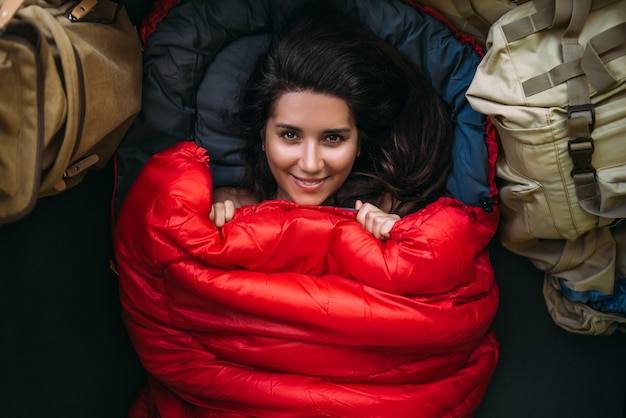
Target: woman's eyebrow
[[337, 130], [326, 131], [288, 126]]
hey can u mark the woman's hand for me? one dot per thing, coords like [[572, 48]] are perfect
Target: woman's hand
[[376, 221], [222, 212], [225, 201]]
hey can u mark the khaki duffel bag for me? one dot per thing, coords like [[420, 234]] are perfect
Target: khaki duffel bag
[[71, 85]]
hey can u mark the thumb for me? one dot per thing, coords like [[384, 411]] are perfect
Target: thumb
[[358, 204]]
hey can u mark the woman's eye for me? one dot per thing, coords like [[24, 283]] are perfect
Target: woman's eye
[[289, 135], [333, 138]]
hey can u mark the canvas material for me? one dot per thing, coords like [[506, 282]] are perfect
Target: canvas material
[[577, 317], [609, 262], [71, 91], [541, 215], [473, 17]]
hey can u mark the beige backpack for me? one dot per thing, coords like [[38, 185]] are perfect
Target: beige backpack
[[553, 81]]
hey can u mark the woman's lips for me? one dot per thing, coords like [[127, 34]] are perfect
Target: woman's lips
[[308, 185]]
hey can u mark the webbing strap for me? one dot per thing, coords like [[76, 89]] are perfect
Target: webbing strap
[[581, 113], [581, 116], [71, 77], [579, 68], [549, 14], [579, 123], [600, 50], [557, 75]]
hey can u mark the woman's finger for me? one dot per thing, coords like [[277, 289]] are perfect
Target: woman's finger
[[229, 210], [218, 218]]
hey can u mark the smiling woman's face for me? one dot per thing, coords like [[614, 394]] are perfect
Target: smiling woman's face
[[311, 142]]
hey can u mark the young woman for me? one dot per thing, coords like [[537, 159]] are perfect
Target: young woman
[[292, 310], [334, 115]]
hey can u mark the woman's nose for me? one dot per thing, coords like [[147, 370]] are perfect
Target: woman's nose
[[311, 160]]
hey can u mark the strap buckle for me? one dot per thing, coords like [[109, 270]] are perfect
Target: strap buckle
[[587, 107], [581, 149]]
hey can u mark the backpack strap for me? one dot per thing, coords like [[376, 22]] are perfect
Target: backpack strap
[[581, 112], [580, 68], [600, 50], [549, 14]]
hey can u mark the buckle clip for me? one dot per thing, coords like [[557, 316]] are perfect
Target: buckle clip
[[581, 149], [588, 107]]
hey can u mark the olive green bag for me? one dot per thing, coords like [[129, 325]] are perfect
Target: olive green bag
[[553, 81], [70, 85]]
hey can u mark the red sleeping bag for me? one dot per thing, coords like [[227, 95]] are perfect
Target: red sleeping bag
[[292, 310]]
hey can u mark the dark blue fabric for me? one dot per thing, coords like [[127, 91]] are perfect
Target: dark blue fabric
[[613, 303], [217, 100], [450, 66], [200, 54]]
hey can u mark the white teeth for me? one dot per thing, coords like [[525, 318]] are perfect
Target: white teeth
[[308, 183]]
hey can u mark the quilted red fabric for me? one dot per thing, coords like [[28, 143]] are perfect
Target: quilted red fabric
[[298, 311]]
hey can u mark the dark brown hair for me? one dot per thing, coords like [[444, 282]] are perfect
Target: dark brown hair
[[405, 131]]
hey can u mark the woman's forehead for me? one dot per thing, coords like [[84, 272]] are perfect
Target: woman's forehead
[[308, 107]]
